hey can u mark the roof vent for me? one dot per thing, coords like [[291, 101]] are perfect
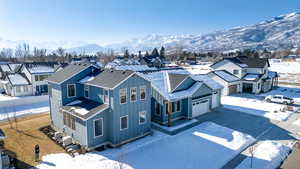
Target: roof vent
[[123, 72]]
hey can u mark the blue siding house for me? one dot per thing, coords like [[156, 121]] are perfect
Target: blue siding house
[[97, 108]]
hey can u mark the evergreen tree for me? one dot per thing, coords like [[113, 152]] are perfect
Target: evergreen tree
[[155, 53], [126, 54], [162, 53], [147, 54]]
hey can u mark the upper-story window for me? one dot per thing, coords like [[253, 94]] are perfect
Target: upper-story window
[[122, 96], [86, 91], [143, 92], [133, 94], [235, 72], [71, 90], [105, 96]]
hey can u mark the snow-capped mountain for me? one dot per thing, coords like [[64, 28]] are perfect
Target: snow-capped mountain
[[280, 32], [277, 33]]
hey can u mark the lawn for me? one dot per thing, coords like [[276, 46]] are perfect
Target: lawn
[[25, 134]]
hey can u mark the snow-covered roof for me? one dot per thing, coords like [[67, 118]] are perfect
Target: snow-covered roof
[[272, 74], [251, 77], [226, 75], [87, 79], [136, 68], [160, 81], [41, 69], [5, 68], [17, 79], [208, 81]]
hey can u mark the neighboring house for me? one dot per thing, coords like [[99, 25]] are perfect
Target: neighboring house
[[243, 74], [178, 96], [37, 72], [97, 108], [17, 84]]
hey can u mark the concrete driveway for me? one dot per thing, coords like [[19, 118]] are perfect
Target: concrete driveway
[[259, 127]]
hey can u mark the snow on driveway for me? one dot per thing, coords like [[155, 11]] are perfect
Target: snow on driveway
[[207, 145], [256, 107], [268, 155]]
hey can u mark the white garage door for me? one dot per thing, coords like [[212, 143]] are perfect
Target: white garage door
[[200, 107]]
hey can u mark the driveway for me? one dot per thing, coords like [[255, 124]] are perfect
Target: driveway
[[257, 126]]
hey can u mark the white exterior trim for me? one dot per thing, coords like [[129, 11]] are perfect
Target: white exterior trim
[[125, 95], [102, 132], [143, 87], [136, 94], [126, 122], [73, 84]]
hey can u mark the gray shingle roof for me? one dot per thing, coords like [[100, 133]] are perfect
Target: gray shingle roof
[[110, 78], [67, 72], [251, 62], [176, 79], [81, 103]]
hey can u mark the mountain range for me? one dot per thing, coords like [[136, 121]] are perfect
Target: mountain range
[[281, 32]]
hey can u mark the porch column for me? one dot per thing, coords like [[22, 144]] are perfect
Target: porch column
[[169, 111]]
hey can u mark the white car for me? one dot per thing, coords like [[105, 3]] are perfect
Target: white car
[[279, 99]]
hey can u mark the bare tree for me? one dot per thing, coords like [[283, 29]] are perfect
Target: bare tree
[[26, 50], [61, 53]]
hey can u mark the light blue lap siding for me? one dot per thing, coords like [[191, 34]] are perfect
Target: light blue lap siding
[[131, 109], [96, 141]]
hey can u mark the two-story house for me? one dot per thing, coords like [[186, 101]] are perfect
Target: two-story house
[[244, 74], [98, 108], [178, 96], [37, 72]]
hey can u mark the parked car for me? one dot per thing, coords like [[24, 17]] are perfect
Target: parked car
[[279, 99]]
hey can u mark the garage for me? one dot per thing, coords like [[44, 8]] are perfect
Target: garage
[[232, 89], [200, 107]]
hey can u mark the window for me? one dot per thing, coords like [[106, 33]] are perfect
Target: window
[[105, 96], [122, 96], [235, 71], [176, 107], [124, 123], [86, 91], [71, 90], [69, 120], [98, 127], [143, 92], [142, 117], [157, 108], [133, 94]]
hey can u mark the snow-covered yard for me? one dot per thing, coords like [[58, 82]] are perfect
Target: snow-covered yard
[[256, 107], [207, 145], [19, 106], [267, 155], [285, 67], [288, 91]]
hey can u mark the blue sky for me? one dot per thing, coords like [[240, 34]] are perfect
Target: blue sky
[[109, 21]]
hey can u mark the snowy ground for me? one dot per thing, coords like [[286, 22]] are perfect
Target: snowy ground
[[207, 145], [256, 107], [20, 106], [268, 154], [289, 91], [285, 67], [198, 69]]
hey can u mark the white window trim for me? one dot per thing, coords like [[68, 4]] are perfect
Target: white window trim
[[68, 90], [136, 94], [103, 96], [145, 117], [88, 87], [121, 123], [101, 128], [125, 95], [143, 87]]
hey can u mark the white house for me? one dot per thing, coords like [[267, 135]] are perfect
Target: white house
[[17, 84], [36, 73], [243, 74]]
